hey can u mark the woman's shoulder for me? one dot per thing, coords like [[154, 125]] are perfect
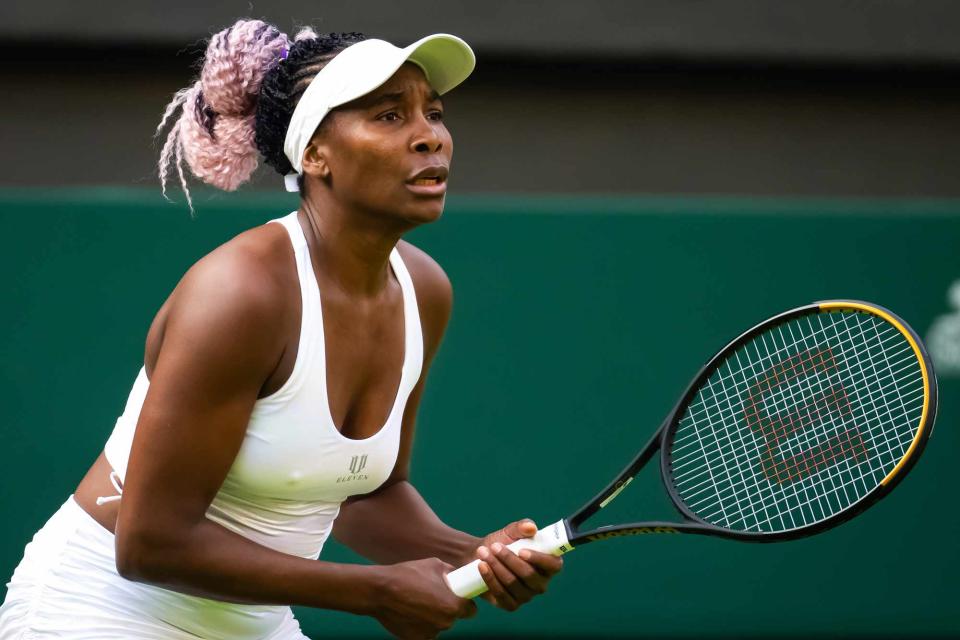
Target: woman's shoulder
[[252, 268], [246, 285], [429, 279]]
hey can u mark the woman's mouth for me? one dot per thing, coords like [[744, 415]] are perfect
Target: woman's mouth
[[429, 182]]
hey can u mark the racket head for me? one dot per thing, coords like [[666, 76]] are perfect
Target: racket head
[[802, 422]]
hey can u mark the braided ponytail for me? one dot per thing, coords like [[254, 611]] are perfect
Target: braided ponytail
[[242, 103], [216, 128]]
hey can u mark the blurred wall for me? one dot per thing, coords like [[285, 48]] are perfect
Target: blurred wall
[[861, 30], [723, 97]]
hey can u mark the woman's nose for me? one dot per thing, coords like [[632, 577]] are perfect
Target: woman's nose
[[427, 139]]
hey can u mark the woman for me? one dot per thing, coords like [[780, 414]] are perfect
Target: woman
[[263, 418]]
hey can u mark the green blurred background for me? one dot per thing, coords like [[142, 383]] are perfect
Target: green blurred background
[[577, 323], [634, 184]]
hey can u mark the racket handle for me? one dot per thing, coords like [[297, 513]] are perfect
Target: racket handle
[[467, 582]]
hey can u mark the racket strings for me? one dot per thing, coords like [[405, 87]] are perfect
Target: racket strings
[[799, 423], [781, 395], [702, 407], [821, 502], [907, 362], [759, 366]]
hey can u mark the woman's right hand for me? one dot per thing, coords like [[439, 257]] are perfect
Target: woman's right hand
[[415, 602]]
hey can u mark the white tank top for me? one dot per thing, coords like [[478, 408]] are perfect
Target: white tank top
[[294, 468]]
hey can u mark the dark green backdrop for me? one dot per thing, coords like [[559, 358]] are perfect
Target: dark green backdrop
[[576, 324]]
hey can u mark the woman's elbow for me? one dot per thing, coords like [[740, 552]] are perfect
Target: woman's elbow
[[140, 556], [129, 556]]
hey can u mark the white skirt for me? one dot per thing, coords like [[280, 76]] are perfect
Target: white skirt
[[67, 586]]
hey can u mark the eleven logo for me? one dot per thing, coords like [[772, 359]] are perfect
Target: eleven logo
[[943, 338], [357, 465]]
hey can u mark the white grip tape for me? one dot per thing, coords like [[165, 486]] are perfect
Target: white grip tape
[[467, 582]]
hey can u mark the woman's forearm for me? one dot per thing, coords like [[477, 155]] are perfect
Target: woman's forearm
[[396, 524], [213, 562]]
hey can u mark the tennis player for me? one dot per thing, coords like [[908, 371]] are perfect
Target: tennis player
[[282, 376]]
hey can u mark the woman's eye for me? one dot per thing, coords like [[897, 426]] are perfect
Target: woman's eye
[[390, 116], [435, 115]]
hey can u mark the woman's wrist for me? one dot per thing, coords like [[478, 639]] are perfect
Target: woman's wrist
[[380, 588], [361, 590], [462, 547]]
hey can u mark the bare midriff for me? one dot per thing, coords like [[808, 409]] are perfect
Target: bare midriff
[[95, 484]]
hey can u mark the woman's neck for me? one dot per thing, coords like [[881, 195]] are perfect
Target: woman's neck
[[350, 250]]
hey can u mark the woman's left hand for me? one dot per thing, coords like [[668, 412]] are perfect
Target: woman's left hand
[[514, 579]]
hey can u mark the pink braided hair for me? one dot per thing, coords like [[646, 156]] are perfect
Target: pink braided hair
[[215, 130]]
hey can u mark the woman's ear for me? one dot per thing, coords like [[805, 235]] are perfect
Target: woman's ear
[[315, 161]]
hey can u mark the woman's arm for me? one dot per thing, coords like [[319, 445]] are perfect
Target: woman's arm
[[222, 339], [395, 523]]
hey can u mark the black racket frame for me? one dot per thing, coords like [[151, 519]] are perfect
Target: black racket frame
[[663, 438]]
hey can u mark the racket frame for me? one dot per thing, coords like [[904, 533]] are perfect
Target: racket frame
[[663, 439]]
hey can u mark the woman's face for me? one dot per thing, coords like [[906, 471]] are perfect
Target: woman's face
[[388, 152]]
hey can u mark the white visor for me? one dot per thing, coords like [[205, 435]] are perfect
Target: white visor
[[362, 67]]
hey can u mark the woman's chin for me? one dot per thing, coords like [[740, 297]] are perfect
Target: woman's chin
[[425, 213]]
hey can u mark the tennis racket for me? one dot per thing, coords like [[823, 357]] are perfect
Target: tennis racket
[[794, 427]]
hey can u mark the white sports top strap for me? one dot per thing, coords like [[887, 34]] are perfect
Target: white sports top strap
[[413, 360]]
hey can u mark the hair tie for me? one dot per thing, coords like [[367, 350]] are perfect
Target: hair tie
[[284, 53]]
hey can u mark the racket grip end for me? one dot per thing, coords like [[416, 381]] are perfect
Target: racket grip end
[[467, 582]]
